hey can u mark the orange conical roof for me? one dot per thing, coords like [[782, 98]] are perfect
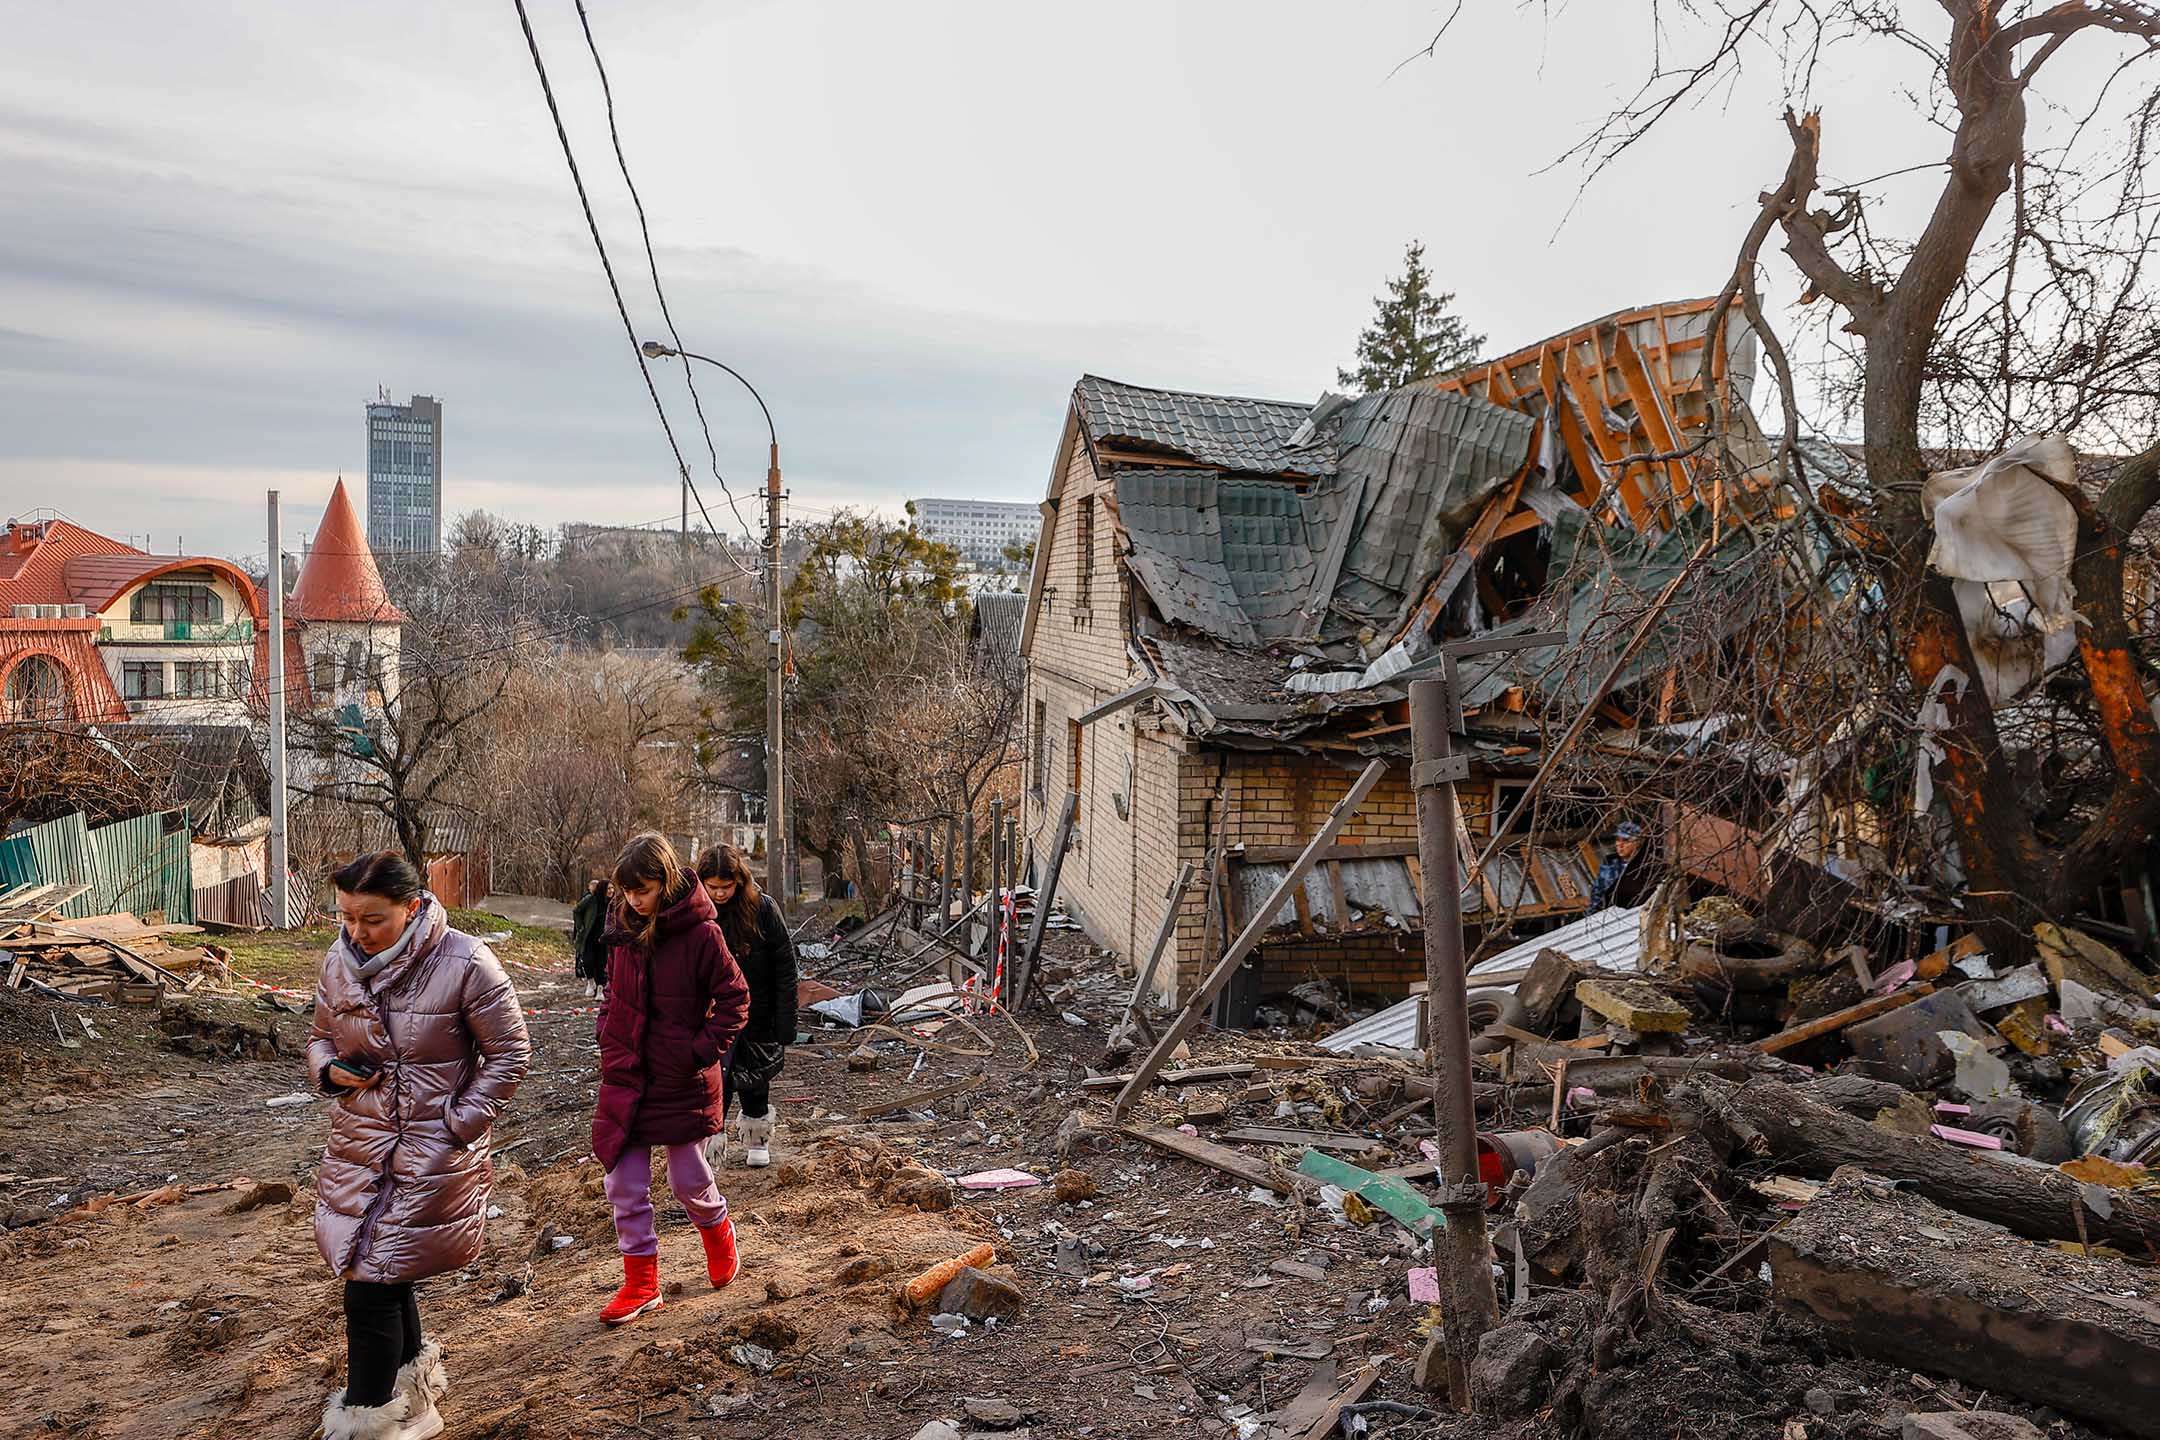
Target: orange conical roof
[[338, 580]]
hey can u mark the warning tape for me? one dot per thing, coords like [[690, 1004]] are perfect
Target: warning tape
[[274, 989]]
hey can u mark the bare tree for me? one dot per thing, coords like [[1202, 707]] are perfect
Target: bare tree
[[2023, 303]]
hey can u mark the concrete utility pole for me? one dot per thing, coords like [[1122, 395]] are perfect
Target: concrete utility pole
[[274, 648], [776, 828], [1469, 1305]]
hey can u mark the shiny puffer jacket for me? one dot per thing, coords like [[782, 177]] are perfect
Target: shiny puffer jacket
[[402, 1190]]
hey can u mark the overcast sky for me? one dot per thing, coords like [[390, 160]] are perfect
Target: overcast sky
[[913, 225]]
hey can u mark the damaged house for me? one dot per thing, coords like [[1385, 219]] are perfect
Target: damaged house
[[1230, 597]]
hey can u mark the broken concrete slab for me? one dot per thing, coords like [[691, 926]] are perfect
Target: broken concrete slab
[[1633, 1004], [1946, 1294], [979, 1295], [1907, 1041], [1511, 1370]]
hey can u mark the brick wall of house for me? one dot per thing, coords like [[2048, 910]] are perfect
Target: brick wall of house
[[1076, 659]]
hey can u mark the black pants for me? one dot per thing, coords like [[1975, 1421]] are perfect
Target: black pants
[[755, 1096], [382, 1335]]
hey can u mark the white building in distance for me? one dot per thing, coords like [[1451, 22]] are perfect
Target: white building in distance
[[979, 529]]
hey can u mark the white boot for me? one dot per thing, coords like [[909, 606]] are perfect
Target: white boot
[[421, 1382], [368, 1422], [715, 1147], [756, 1137]]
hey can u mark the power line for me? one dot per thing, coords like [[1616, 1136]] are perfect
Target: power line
[[547, 90], [652, 263]]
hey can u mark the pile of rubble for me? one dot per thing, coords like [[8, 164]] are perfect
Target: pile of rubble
[[96, 959]]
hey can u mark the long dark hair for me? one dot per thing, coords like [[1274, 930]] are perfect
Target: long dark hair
[[647, 858], [740, 920]]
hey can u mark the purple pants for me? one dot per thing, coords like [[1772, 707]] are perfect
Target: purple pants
[[629, 1190]]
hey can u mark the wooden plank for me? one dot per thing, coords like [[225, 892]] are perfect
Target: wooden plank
[[1838, 1019], [1251, 1170], [1145, 977], [1197, 1075], [1332, 1415], [1205, 993], [1657, 426], [1023, 976], [1611, 448], [914, 1098], [1311, 1139], [1303, 909], [1336, 896]]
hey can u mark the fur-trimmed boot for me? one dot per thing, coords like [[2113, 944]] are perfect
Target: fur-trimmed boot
[[341, 1421], [756, 1137], [423, 1380]]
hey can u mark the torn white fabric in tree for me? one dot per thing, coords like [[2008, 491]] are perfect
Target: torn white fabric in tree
[[2005, 535]]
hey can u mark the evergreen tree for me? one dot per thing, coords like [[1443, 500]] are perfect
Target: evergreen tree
[[1412, 334]]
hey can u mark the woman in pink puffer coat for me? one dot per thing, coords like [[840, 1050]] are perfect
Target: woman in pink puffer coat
[[419, 1037]]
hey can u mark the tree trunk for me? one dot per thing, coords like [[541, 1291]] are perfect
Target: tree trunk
[[2032, 1200]]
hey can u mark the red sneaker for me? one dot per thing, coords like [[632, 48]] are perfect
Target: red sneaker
[[640, 1290], [721, 1261]]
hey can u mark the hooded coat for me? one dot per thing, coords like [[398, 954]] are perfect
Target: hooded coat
[[768, 967], [402, 1190], [666, 1027]]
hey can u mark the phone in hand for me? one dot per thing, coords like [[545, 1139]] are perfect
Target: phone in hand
[[359, 1070]]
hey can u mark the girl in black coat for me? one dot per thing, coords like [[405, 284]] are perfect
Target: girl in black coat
[[757, 935]]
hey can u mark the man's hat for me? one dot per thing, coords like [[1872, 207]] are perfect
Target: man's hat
[[1627, 830]]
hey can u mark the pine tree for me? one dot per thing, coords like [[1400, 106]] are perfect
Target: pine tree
[[1412, 334]]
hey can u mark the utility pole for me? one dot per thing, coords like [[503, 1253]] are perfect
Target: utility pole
[[274, 647], [776, 828], [1468, 1303]]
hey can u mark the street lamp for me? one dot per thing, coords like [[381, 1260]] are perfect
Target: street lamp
[[776, 839]]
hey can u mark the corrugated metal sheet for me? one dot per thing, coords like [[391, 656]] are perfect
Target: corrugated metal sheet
[[1610, 939], [136, 865], [1383, 886], [55, 853]]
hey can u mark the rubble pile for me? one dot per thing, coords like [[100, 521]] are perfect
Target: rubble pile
[[96, 959]]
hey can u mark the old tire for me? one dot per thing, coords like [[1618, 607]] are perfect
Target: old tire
[[1751, 958]]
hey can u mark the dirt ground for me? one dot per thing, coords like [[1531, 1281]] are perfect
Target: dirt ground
[[146, 1297]]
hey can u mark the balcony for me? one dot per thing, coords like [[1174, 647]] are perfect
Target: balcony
[[193, 632]]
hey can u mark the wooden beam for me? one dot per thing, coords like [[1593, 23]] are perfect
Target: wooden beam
[[1248, 1168], [1024, 973], [1280, 854], [1145, 977], [1838, 1019], [1257, 926], [1117, 702]]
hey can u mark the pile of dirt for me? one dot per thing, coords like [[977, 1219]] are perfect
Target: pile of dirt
[[193, 1030]]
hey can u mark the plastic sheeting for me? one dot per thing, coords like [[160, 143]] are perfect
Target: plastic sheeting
[[2006, 535]]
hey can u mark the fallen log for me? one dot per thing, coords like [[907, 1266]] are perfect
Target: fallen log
[[2029, 1199]]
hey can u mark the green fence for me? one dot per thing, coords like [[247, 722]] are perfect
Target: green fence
[[137, 865]]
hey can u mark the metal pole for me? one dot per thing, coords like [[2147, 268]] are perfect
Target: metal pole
[[274, 647], [776, 830], [967, 875], [1467, 1288], [944, 879]]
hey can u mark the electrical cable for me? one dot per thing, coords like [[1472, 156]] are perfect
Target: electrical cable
[[547, 90], [652, 263]]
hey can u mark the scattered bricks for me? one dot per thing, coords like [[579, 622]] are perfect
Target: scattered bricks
[[1508, 1375], [1969, 1425], [1931, 1289], [1633, 1004], [979, 1295]]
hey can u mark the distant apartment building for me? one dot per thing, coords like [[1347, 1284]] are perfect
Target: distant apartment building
[[979, 529], [404, 475]]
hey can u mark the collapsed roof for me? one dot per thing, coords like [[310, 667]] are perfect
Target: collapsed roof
[[1295, 560]]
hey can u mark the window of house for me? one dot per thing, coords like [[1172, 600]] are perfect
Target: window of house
[[167, 600], [238, 674], [197, 679], [1085, 552], [1041, 751], [37, 690], [326, 672], [1507, 798], [142, 680], [1073, 736]]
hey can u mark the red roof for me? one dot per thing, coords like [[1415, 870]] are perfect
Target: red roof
[[68, 643], [57, 562], [338, 580]]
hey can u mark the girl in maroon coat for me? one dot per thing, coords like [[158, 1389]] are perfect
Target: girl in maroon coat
[[675, 1003]]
